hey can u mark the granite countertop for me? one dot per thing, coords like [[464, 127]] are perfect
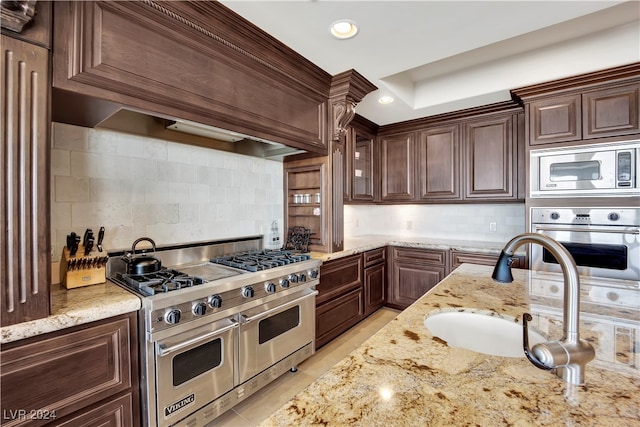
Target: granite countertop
[[404, 376], [71, 307], [356, 245]]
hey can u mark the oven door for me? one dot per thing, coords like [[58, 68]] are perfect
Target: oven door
[[275, 330], [602, 251], [193, 368], [578, 171]]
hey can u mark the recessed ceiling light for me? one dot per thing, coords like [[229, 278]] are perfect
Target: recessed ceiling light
[[344, 29], [386, 99]]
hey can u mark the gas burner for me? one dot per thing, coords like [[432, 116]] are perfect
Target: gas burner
[[162, 281], [261, 260]]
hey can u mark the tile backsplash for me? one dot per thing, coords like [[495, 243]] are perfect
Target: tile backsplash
[[456, 222], [171, 192]]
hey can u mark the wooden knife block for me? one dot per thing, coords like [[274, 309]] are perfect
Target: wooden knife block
[[80, 277]]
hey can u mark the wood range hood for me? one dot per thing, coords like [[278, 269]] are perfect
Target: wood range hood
[[81, 110]]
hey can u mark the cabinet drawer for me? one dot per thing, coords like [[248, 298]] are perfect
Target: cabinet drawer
[[117, 412], [65, 373], [426, 256], [338, 277], [374, 257], [337, 316], [458, 258]]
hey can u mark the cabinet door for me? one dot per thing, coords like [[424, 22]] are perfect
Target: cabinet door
[[397, 155], [63, 373], [490, 159], [336, 316], [374, 286], [25, 257], [439, 163], [555, 120], [362, 177], [611, 112]]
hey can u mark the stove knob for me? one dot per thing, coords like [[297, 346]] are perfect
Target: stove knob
[[270, 287], [172, 316], [199, 309], [215, 301], [555, 215], [303, 277], [293, 278], [284, 283], [247, 292], [613, 216], [313, 273]]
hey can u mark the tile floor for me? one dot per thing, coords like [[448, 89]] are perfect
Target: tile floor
[[262, 404]]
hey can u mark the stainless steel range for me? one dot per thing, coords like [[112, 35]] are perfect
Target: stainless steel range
[[222, 321]]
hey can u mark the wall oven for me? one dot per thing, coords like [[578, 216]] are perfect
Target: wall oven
[[592, 170], [604, 242]]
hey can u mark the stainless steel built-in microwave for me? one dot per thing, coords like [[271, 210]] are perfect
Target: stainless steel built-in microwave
[[591, 170]]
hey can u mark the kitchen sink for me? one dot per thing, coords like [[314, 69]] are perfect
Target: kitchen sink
[[482, 333]]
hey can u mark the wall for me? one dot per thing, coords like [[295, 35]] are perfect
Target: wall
[[455, 222], [170, 192]]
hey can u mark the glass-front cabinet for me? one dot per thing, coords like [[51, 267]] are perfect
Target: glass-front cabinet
[[360, 166]]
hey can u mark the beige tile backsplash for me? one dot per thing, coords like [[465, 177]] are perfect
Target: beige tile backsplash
[[171, 192]]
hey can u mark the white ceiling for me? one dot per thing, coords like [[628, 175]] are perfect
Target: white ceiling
[[440, 56]]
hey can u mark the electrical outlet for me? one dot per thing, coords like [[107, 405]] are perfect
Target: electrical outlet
[[409, 224], [493, 226]]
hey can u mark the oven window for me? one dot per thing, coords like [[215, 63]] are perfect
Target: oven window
[[575, 171], [278, 324], [197, 361], [613, 257]]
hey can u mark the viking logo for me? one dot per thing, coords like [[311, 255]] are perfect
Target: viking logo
[[174, 407]]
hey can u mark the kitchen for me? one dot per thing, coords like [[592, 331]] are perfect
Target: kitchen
[[91, 167]]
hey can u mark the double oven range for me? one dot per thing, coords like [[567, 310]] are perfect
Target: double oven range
[[224, 320]]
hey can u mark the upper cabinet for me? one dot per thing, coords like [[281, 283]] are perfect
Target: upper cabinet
[[196, 61], [583, 108], [361, 168], [466, 156], [397, 167]]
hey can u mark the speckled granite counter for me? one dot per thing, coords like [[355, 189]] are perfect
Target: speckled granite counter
[[355, 245], [403, 376], [75, 307]]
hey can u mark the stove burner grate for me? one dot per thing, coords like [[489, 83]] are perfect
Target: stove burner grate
[[162, 281], [261, 260]]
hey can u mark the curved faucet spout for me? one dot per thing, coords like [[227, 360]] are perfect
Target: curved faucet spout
[[570, 354]]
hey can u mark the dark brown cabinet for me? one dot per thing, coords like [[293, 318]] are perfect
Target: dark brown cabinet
[[85, 375], [555, 120], [439, 163], [25, 258], [588, 107], [412, 273], [374, 279], [397, 167], [361, 168], [339, 304], [490, 159], [611, 112]]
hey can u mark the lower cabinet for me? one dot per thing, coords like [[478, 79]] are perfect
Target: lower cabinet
[[412, 273], [374, 279], [83, 376], [339, 304]]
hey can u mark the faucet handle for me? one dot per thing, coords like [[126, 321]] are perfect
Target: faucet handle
[[526, 317]]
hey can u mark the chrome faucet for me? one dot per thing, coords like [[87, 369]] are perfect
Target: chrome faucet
[[570, 355]]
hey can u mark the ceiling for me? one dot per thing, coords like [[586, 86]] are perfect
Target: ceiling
[[440, 56]]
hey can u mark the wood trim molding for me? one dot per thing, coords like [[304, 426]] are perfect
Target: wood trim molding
[[347, 90], [16, 17]]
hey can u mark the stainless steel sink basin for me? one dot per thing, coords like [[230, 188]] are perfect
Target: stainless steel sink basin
[[482, 333]]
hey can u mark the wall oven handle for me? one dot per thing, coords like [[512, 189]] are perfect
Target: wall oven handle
[[247, 319], [592, 230], [163, 351]]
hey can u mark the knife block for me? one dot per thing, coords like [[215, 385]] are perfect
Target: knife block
[[78, 277]]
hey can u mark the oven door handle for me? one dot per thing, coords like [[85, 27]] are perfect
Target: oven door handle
[[247, 319], [592, 230], [163, 351]]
